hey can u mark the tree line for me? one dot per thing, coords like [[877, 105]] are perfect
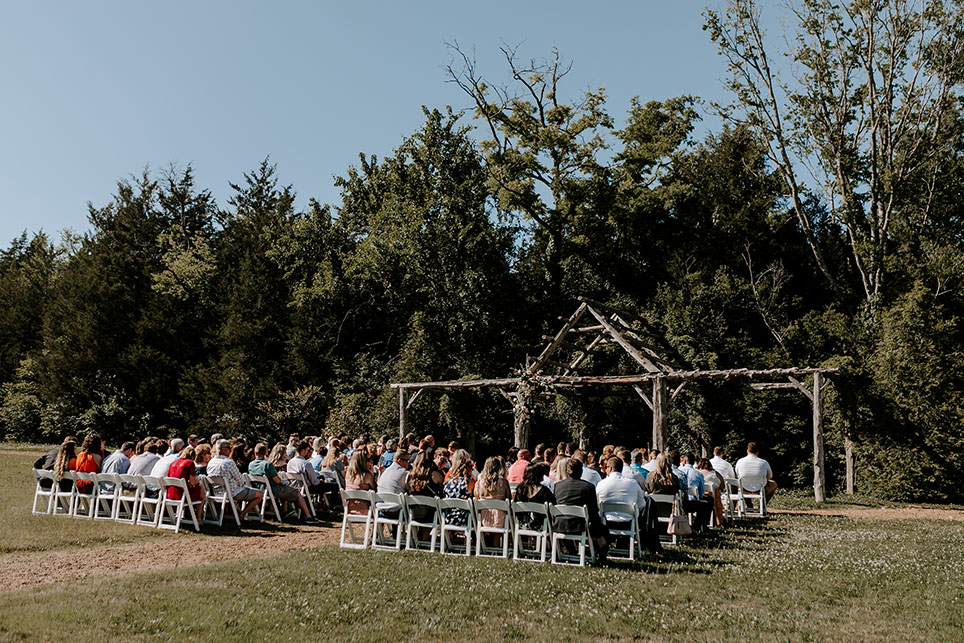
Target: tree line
[[819, 227]]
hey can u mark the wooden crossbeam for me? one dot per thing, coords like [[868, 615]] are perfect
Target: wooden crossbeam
[[771, 386], [643, 395], [644, 361], [587, 329], [560, 336], [801, 387], [678, 390], [412, 399]]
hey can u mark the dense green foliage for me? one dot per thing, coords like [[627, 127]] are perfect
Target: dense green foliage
[[452, 257]]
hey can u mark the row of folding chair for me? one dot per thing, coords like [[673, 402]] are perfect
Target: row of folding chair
[[456, 527], [103, 498]]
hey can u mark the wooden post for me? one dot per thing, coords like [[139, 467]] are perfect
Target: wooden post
[[849, 460], [660, 412], [521, 428], [819, 477], [402, 412]]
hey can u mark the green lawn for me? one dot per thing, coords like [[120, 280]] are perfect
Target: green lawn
[[794, 577]]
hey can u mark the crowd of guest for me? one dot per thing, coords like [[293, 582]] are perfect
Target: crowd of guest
[[563, 474]]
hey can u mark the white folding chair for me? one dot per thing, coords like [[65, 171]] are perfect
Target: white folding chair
[[628, 514], [148, 511], [733, 498], [172, 511], [385, 504], [349, 519], [525, 513], [84, 504], [127, 506], [108, 489], [758, 495], [46, 493], [582, 539], [262, 483], [665, 499], [64, 499], [299, 482], [505, 531], [412, 541], [447, 508], [218, 500]]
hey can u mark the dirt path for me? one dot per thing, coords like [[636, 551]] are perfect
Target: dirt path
[[909, 512], [18, 571]]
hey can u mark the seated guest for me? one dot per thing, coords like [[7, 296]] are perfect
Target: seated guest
[[281, 490], [185, 468], [628, 471], [459, 483], [516, 472], [393, 480], [194, 440], [142, 464], [442, 460], [531, 489], [359, 477], [318, 456], [118, 463], [300, 464], [511, 456], [589, 475], [696, 501], [88, 461], [202, 455], [617, 487], [65, 463], [279, 456], [424, 480], [651, 465], [538, 452], [492, 485], [712, 483], [753, 465], [333, 464], [46, 461], [638, 457], [222, 465], [558, 470], [239, 454], [661, 480], [386, 458], [574, 491], [719, 464], [163, 465]]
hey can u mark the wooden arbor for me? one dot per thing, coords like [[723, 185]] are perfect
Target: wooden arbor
[[658, 382]]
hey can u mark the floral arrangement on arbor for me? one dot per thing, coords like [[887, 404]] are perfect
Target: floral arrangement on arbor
[[530, 388]]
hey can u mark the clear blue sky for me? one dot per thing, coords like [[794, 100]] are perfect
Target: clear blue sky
[[95, 91]]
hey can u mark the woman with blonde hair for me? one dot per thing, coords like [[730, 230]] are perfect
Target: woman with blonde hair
[[559, 470], [359, 477], [279, 457], [66, 461], [331, 461], [662, 479], [492, 485]]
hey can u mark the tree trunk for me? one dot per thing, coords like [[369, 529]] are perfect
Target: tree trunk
[[521, 428]]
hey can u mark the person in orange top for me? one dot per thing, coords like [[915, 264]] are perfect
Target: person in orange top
[[88, 461], [518, 468]]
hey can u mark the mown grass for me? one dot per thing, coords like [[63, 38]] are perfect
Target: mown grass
[[793, 577]]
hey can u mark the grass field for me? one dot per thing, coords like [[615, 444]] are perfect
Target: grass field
[[794, 577]]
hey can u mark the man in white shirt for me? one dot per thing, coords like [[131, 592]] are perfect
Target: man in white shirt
[[754, 465], [393, 480], [720, 465], [616, 487], [142, 464], [300, 464], [628, 471], [589, 475], [651, 465], [160, 468]]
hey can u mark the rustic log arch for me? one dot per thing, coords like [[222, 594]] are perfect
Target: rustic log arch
[[658, 383]]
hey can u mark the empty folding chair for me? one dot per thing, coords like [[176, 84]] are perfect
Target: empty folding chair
[[85, 503], [505, 530], [218, 501], [349, 519], [173, 511], [733, 498], [415, 506], [389, 512], [582, 539], [752, 488], [530, 520], [108, 489], [64, 497], [148, 512], [262, 483], [456, 517], [618, 513], [44, 493], [128, 503]]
